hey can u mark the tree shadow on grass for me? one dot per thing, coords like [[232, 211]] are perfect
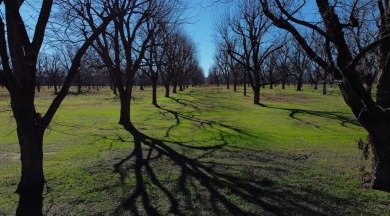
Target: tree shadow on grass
[[200, 122], [344, 120], [212, 180]]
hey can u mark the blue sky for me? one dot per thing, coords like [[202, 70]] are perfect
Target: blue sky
[[201, 15], [200, 25], [201, 19]]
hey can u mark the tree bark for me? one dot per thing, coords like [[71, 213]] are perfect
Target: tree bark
[[125, 100], [154, 92], [256, 96], [174, 87], [30, 136], [245, 84], [299, 85], [55, 89], [381, 160], [30, 188], [166, 85], [227, 83], [324, 91]]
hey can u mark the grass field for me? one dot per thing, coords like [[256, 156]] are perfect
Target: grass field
[[204, 151]]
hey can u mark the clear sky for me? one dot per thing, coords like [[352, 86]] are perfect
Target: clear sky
[[201, 20], [200, 27]]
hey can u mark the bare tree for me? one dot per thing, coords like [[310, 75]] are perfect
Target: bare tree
[[245, 37], [300, 64], [334, 20], [224, 64], [156, 55], [123, 45], [54, 71], [196, 76], [19, 56], [284, 63], [214, 75], [180, 53]]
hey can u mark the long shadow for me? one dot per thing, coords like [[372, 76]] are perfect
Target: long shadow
[[198, 185], [202, 123], [176, 178], [328, 115]]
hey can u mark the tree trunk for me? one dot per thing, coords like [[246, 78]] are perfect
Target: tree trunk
[[30, 188], [227, 83], [256, 97], [79, 88], [55, 89], [324, 88], [235, 85], [154, 92], [174, 87], [299, 85], [166, 90], [381, 160], [283, 84], [30, 136], [245, 84], [125, 100], [115, 90], [38, 87]]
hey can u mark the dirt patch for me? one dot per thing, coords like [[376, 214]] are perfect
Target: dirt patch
[[9, 155]]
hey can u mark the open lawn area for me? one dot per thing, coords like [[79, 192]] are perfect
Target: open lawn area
[[204, 151]]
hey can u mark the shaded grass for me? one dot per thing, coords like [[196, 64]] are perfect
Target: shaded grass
[[204, 151]]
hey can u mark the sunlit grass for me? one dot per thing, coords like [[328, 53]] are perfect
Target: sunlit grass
[[295, 154]]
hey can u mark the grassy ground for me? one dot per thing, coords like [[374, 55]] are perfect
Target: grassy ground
[[204, 151]]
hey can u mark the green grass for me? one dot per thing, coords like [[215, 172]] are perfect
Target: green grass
[[205, 151]]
